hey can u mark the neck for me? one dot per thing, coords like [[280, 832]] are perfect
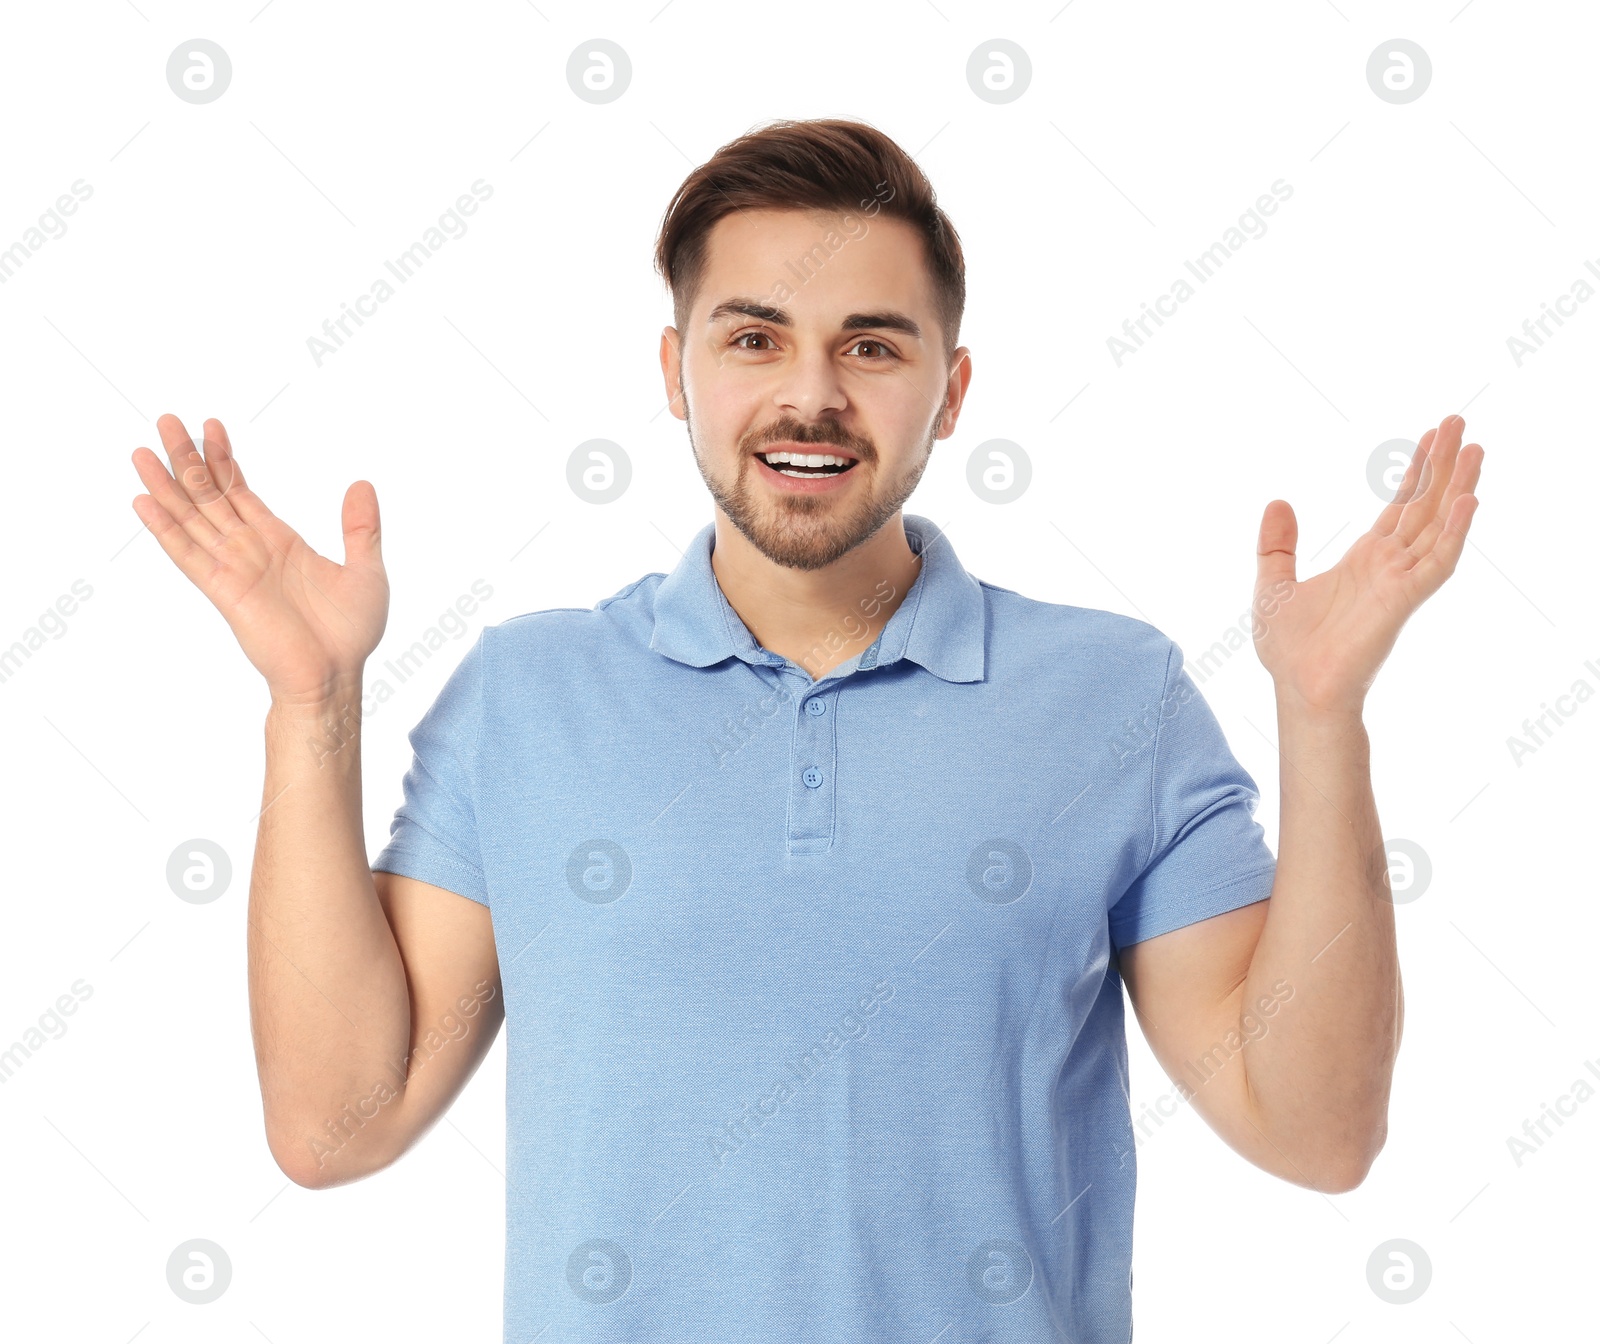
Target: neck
[[816, 618]]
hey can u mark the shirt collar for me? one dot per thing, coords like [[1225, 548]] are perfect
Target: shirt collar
[[939, 625]]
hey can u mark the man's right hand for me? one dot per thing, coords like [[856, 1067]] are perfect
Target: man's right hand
[[306, 623]]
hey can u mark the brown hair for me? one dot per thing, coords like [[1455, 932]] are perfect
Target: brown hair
[[824, 164]]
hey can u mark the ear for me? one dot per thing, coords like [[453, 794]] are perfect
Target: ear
[[672, 369], [955, 391]]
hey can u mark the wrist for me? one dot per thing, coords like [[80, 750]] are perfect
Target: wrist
[[1304, 721], [327, 728], [336, 712], [331, 697]]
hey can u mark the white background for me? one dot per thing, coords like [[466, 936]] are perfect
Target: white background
[[218, 237]]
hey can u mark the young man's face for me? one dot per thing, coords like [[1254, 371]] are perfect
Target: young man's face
[[798, 341]]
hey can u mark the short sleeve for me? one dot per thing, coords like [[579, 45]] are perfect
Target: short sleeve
[[1208, 854], [434, 835]]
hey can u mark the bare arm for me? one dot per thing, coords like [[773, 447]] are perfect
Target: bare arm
[[1280, 1021], [1294, 1006], [357, 981], [373, 997], [1318, 1082]]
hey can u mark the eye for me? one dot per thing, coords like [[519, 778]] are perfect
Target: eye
[[885, 353]]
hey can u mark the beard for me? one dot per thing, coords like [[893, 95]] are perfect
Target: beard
[[801, 531]]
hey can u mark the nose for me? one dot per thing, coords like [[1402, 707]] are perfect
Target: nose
[[809, 386]]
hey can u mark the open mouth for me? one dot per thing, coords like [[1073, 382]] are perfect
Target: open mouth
[[807, 464]]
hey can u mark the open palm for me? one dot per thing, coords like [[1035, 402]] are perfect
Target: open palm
[[305, 622], [1323, 639]]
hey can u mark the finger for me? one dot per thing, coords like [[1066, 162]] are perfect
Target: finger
[[193, 560], [1440, 562], [177, 506], [1275, 543], [229, 476], [1424, 505], [1463, 481], [192, 477], [220, 461], [1275, 560], [363, 533], [1415, 468]]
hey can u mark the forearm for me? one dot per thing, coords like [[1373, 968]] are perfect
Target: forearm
[[1317, 1081], [329, 1008]]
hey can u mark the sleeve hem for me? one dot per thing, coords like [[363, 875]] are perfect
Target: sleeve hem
[[1191, 909], [436, 870]]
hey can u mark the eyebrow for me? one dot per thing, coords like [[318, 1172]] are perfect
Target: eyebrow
[[886, 320]]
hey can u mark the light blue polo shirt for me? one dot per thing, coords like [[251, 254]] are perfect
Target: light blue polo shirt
[[814, 1026]]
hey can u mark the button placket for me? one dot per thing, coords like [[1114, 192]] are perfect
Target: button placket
[[813, 773]]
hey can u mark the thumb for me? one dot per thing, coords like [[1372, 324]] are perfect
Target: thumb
[[1275, 545], [362, 532]]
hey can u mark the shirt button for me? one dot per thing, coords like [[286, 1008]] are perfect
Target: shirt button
[[812, 777], [814, 707]]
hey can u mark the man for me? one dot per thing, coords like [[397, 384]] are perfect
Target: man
[[808, 875]]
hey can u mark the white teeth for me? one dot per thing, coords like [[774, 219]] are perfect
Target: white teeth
[[806, 459]]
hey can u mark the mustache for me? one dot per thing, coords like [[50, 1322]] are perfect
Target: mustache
[[793, 431]]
